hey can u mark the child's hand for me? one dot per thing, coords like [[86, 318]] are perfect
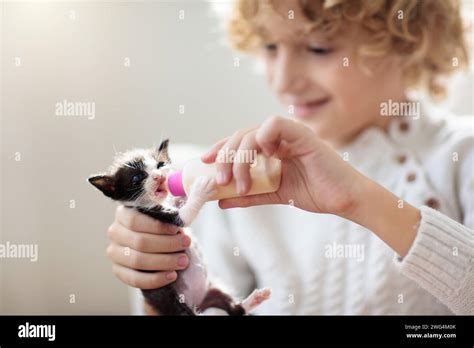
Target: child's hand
[[140, 243], [314, 177]]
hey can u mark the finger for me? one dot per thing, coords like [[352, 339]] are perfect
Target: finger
[[138, 260], [147, 242], [210, 156], [143, 280], [135, 221], [223, 166], [248, 201], [241, 167], [278, 129]]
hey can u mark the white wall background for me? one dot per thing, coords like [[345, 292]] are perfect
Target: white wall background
[[81, 59]]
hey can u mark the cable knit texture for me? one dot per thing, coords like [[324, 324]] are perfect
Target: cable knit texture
[[322, 264], [441, 260]]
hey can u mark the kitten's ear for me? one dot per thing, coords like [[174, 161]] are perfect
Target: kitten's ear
[[163, 148], [105, 183]]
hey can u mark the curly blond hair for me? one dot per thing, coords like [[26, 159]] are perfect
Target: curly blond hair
[[429, 34]]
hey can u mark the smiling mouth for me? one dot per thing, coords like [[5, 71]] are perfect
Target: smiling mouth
[[307, 109]]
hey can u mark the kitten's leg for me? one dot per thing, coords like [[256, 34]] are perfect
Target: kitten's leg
[[215, 298], [255, 299], [202, 189], [216, 301], [165, 301]]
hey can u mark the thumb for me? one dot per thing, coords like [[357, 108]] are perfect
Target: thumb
[[248, 201]]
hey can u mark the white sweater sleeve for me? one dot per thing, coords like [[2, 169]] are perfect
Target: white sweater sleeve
[[441, 258]]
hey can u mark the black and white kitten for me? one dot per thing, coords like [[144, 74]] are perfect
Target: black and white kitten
[[137, 178]]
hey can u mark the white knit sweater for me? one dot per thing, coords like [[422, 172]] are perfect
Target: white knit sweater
[[323, 264]]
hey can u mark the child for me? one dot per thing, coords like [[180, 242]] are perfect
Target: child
[[392, 177]]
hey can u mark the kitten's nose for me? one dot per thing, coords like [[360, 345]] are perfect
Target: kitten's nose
[[157, 177]]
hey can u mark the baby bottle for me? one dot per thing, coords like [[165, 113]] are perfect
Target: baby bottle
[[265, 173]]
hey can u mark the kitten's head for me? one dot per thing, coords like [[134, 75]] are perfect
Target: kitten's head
[[137, 177]]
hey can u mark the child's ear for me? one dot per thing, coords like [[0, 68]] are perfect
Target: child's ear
[[163, 148], [105, 183]]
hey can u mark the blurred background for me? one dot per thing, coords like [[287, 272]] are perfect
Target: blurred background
[[146, 70]]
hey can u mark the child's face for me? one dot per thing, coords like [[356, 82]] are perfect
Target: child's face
[[302, 69]]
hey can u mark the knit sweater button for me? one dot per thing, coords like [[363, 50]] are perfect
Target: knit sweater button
[[432, 203], [401, 159], [411, 177], [404, 126]]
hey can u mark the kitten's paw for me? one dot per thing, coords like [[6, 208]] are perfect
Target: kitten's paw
[[204, 186], [255, 299], [178, 202]]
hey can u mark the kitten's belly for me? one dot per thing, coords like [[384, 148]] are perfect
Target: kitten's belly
[[193, 282]]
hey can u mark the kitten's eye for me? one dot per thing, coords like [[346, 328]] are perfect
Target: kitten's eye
[[138, 178], [160, 164]]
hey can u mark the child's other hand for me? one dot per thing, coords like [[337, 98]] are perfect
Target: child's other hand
[[138, 242], [314, 177]]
